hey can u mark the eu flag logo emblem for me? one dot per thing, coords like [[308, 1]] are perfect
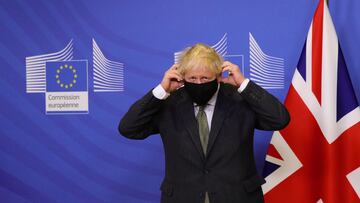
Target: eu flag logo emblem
[[66, 86]]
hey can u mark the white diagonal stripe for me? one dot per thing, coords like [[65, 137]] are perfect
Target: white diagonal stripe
[[267, 71], [35, 68], [288, 166], [354, 179], [108, 75], [220, 47]]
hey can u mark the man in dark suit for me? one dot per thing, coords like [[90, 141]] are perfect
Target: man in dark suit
[[207, 124]]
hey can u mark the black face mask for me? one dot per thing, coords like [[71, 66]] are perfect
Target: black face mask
[[201, 93]]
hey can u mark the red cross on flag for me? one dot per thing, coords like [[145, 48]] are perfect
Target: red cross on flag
[[317, 157]]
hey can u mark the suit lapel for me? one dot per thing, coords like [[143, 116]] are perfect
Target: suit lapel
[[222, 107], [186, 112]]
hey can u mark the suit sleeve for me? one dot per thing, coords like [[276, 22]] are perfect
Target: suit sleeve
[[141, 119], [271, 114]]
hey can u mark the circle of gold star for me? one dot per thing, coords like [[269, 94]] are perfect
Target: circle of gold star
[[58, 74]]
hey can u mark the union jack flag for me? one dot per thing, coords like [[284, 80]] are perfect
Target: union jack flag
[[317, 157]]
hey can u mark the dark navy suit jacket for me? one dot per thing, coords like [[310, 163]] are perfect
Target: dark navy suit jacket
[[227, 172]]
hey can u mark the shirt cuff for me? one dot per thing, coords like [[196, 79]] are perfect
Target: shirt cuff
[[160, 93], [243, 85]]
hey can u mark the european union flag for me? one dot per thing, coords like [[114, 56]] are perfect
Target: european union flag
[[66, 76]]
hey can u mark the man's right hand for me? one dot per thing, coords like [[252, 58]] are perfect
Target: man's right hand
[[172, 79]]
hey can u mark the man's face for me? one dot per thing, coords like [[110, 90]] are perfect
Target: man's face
[[199, 74]]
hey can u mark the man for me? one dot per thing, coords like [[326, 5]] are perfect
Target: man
[[206, 123]]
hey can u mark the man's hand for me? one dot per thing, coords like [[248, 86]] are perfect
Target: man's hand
[[235, 76], [172, 79]]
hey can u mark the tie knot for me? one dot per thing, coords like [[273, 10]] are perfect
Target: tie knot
[[201, 111], [201, 108]]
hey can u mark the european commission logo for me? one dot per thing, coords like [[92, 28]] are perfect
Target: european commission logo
[[64, 81], [66, 87]]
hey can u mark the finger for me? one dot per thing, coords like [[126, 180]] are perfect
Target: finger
[[174, 67], [179, 84], [176, 84], [176, 73], [174, 76], [229, 64], [226, 68], [231, 69], [226, 63]]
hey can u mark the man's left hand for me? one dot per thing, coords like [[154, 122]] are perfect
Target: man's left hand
[[235, 76]]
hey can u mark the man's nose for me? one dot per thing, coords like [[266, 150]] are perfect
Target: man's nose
[[198, 81]]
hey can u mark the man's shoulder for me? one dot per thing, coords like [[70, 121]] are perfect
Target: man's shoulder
[[228, 88], [177, 96]]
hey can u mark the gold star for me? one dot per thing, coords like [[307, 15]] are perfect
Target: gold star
[[74, 81], [58, 71], [70, 67], [58, 81], [66, 65]]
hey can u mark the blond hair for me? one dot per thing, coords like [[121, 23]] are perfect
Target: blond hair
[[200, 55]]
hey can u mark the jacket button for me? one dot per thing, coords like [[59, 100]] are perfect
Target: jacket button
[[206, 171]]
